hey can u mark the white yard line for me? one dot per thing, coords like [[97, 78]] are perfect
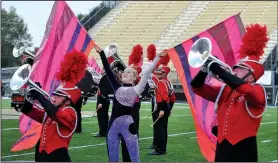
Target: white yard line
[[93, 145], [193, 137], [266, 141], [20, 161], [268, 123], [7, 129]]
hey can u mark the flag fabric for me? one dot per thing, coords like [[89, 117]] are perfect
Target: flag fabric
[[93, 64], [226, 40], [29, 138], [63, 33]]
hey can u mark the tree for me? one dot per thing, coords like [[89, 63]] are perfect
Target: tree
[[13, 29], [81, 16]]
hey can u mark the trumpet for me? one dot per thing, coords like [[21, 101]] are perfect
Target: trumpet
[[200, 55], [21, 78], [20, 49]]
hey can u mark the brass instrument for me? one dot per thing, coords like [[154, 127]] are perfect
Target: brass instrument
[[200, 55], [21, 78], [20, 49]]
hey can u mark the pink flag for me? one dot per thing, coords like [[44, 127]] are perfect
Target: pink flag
[[63, 33], [226, 40], [94, 65]]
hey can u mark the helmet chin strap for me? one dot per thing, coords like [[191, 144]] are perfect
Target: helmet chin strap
[[63, 102], [249, 73]]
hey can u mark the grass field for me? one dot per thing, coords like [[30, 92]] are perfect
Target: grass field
[[182, 143]]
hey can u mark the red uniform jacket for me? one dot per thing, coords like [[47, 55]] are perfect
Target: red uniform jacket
[[161, 92], [56, 133], [155, 79], [238, 111], [172, 95]]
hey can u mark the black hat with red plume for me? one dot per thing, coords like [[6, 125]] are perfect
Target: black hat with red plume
[[72, 70], [252, 48], [135, 59], [162, 65]]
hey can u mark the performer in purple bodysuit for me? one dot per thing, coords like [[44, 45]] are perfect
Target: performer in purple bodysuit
[[125, 95]]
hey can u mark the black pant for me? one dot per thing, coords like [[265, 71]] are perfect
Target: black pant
[[153, 118], [58, 155], [161, 130], [136, 117], [243, 151], [77, 108], [102, 114]]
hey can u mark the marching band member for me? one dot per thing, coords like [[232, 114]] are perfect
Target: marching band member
[[135, 61], [151, 53], [163, 110], [172, 94], [58, 118], [125, 96], [102, 108], [240, 102], [27, 60]]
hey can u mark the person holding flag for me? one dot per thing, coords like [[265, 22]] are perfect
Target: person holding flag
[[58, 118], [240, 102]]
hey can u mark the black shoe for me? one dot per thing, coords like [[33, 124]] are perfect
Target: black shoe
[[157, 153], [99, 135], [152, 146], [78, 131]]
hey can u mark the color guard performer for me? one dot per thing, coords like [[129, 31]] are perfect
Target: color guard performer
[[135, 61], [240, 102], [58, 118], [125, 96]]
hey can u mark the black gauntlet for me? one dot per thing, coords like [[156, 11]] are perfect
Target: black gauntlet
[[49, 108], [228, 78], [199, 80]]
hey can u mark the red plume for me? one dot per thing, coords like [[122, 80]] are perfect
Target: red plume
[[72, 68], [136, 55], [151, 52], [129, 60], [254, 41], [164, 60]]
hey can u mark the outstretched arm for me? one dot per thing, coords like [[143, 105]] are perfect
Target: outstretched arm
[[139, 88], [111, 76]]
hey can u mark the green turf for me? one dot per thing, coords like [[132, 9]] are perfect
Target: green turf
[[180, 148]]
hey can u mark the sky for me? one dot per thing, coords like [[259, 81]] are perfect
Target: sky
[[36, 13]]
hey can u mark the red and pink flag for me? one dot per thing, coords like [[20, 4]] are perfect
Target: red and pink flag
[[226, 40]]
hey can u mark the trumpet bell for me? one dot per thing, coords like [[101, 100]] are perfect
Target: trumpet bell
[[199, 52], [20, 77], [18, 49]]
